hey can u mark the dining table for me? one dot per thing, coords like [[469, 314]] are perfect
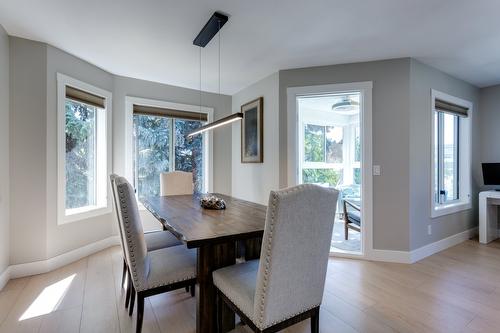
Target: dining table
[[219, 237]]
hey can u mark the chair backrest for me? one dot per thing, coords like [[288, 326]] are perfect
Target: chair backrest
[[133, 234], [294, 254], [176, 183], [112, 179]]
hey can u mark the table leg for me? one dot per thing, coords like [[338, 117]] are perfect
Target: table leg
[[252, 248], [210, 258]]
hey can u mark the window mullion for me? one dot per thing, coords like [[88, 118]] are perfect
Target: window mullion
[[95, 161], [172, 145], [440, 156], [136, 161], [324, 144], [457, 157]]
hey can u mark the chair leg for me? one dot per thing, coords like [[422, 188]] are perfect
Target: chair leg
[[315, 322], [193, 286], [140, 312], [128, 289], [124, 271], [187, 289], [346, 230], [219, 312], [132, 300]]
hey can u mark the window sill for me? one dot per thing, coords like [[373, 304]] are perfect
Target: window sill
[[78, 214], [451, 208]]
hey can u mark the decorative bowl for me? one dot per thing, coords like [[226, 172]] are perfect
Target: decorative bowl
[[212, 202]]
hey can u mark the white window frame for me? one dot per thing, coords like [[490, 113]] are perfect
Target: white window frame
[[104, 167], [464, 163], [293, 126], [129, 131]]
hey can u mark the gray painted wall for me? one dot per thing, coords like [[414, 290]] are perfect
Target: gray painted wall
[[28, 151], [61, 238], [4, 151], [254, 181], [490, 126], [422, 79], [391, 81], [401, 105], [33, 144]]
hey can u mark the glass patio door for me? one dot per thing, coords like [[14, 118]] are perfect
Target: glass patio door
[[329, 154]]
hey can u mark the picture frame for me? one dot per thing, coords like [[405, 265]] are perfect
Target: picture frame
[[252, 131]]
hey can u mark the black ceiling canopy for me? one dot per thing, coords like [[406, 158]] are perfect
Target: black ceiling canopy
[[211, 28]]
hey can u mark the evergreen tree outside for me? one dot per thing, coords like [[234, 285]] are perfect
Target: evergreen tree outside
[[189, 152], [80, 154], [151, 151], [322, 144], [153, 137]]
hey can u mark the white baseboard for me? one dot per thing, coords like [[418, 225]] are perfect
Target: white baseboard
[[44, 266], [410, 257], [402, 257], [4, 277], [442, 244]]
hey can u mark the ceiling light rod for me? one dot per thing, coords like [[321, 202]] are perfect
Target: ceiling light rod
[[217, 123], [211, 28]]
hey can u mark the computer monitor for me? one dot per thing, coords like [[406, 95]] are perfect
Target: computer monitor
[[491, 173]]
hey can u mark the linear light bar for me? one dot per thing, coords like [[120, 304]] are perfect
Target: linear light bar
[[218, 123]]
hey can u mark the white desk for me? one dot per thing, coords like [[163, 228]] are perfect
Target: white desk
[[488, 216]]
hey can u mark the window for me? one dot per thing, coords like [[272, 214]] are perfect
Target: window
[[160, 145], [329, 138], [83, 156], [323, 154], [451, 154]]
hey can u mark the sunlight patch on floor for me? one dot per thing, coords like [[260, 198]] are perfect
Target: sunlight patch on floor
[[49, 299]]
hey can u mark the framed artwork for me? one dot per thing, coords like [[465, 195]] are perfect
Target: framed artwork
[[252, 132]]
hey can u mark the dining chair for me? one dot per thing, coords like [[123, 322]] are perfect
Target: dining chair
[[352, 217], [155, 240], [176, 183], [151, 272], [286, 285]]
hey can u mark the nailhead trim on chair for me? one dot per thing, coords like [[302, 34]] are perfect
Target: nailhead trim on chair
[[267, 259], [127, 227], [260, 324], [137, 283]]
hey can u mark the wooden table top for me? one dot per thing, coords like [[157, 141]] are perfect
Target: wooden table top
[[188, 221]]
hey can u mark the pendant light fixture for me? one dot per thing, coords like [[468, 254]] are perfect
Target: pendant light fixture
[[346, 106], [211, 28]]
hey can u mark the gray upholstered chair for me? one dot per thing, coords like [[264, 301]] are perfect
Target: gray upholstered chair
[[176, 183], [151, 272], [155, 240], [286, 285]]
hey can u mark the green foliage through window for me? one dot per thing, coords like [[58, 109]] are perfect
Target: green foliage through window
[[80, 154], [152, 154], [314, 143], [189, 152], [357, 176], [153, 136], [331, 177], [323, 143]]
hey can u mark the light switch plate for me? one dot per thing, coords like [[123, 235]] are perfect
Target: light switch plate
[[376, 170]]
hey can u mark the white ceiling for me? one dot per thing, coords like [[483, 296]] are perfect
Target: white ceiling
[[152, 39]]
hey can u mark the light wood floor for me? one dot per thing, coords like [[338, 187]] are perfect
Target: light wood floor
[[457, 290]]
